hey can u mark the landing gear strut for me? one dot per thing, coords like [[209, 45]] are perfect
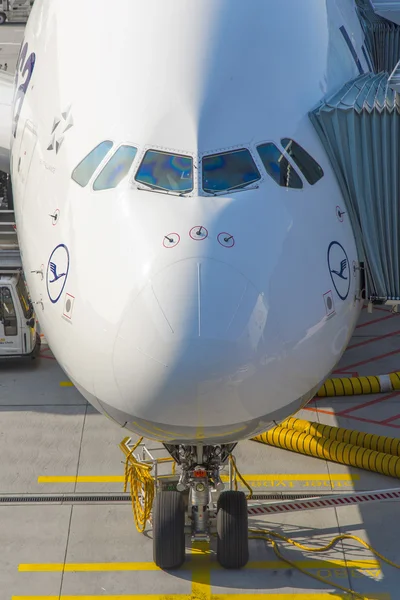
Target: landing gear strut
[[198, 485]]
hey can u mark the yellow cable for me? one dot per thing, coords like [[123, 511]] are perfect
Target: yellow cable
[[141, 483], [142, 488], [237, 475], [268, 536]]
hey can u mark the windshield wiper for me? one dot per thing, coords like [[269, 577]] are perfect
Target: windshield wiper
[[149, 188], [234, 188]]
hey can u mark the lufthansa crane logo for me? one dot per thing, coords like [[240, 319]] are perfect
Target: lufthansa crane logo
[[338, 264], [57, 272]]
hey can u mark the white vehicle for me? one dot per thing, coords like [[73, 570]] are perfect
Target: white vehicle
[[15, 11], [181, 227], [18, 335]]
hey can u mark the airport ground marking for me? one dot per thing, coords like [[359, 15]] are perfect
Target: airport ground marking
[[378, 320], [198, 565], [370, 360], [374, 339], [262, 596], [372, 402], [352, 417], [276, 479], [201, 565], [201, 570], [82, 479]]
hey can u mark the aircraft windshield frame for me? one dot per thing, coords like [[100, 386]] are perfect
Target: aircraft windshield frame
[[161, 170], [223, 172]]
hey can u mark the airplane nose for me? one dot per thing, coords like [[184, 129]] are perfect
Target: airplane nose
[[186, 340]]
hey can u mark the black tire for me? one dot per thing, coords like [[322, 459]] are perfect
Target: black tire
[[169, 530], [38, 346], [3, 18], [232, 530]]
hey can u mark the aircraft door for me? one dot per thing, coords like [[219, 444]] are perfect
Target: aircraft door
[[24, 160], [10, 336]]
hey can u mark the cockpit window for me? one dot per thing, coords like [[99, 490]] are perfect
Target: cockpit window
[[307, 165], [165, 171], [278, 167], [116, 169], [83, 173], [229, 171]]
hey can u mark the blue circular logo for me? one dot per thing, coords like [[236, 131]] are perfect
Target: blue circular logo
[[57, 272], [339, 269]]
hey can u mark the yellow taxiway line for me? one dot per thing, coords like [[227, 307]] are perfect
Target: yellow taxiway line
[[252, 596], [205, 563], [267, 477], [201, 571], [82, 479], [201, 566]]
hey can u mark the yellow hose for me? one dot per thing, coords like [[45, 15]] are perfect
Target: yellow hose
[[380, 443], [142, 486], [354, 386], [237, 475], [141, 482], [329, 449]]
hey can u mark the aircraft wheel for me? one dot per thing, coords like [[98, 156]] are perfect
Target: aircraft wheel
[[169, 530], [232, 530], [3, 18], [38, 345]]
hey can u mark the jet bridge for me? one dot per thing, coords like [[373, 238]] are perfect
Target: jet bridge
[[389, 9], [380, 20], [360, 129]]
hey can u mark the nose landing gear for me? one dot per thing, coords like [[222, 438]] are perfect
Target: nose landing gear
[[195, 502]]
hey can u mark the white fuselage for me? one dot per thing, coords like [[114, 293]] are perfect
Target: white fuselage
[[199, 341]]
